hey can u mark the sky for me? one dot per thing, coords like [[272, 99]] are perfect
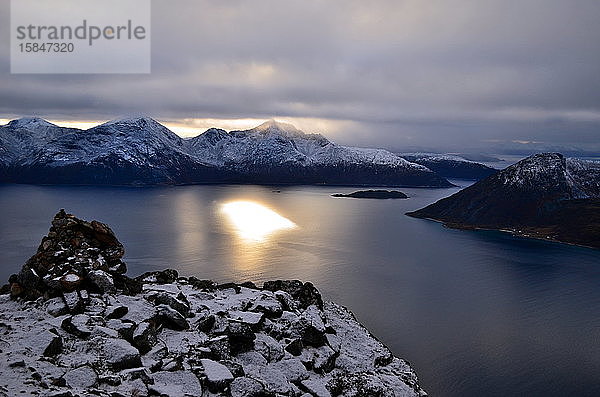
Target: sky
[[446, 75]]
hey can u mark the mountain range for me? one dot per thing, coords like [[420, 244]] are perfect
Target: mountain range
[[545, 195], [143, 151], [450, 166]]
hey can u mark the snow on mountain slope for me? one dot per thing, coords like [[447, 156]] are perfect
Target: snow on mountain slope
[[545, 195], [450, 166], [144, 151], [574, 178], [279, 143]]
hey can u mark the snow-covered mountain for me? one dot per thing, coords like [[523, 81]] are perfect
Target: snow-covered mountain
[[138, 150], [450, 166], [545, 194], [141, 150], [276, 151]]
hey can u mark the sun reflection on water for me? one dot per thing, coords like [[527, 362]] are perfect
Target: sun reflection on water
[[254, 222]]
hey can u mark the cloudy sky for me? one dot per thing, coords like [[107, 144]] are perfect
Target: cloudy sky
[[449, 75]]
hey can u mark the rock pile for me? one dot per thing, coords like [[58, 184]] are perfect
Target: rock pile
[[74, 324]]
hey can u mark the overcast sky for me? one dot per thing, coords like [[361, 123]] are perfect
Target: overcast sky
[[399, 74]]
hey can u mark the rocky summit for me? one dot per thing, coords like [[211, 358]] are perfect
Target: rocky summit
[[73, 324]]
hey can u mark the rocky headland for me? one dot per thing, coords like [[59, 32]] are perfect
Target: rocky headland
[[72, 323]]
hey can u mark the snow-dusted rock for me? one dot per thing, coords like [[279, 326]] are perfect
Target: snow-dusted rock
[[81, 378], [218, 375], [119, 354], [246, 387], [176, 384], [234, 340]]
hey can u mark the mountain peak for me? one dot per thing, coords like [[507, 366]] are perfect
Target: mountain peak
[[30, 122], [273, 125], [139, 121]]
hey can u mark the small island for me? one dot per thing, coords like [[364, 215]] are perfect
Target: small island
[[374, 194]]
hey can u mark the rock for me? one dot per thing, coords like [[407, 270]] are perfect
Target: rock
[[292, 368], [119, 354], [130, 388], [136, 373], [101, 280], [295, 347], [51, 341], [74, 302], [317, 388], [241, 337], [171, 318], [167, 276], [312, 327], [70, 281], [268, 347], [61, 393], [207, 285], [176, 384], [205, 322], [125, 329], [305, 293], [144, 337], [320, 359], [219, 347], [253, 319], [77, 325], [273, 380], [246, 387], [268, 305], [56, 307], [218, 376], [81, 378], [178, 303], [153, 359], [287, 301], [116, 311]]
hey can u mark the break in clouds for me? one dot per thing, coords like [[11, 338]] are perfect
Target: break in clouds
[[400, 74]]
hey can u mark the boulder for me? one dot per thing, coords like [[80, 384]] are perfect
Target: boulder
[[246, 387], [171, 318], [305, 293], [176, 384], [101, 280], [217, 375], [77, 325], [119, 354], [268, 347], [241, 337], [269, 305], [144, 337], [56, 307], [81, 378]]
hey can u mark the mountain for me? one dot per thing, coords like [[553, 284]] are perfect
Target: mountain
[[277, 152], [123, 151], [545, 195], [450, 166], [142, 151]]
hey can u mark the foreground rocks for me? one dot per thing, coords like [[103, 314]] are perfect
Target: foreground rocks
[[165, 335]]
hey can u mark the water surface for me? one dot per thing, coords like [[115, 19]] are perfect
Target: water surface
[[476, 313]]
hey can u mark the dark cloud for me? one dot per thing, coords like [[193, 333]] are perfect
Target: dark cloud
[[396, 73]]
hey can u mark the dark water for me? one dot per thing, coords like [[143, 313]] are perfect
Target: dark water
[[476, 313]]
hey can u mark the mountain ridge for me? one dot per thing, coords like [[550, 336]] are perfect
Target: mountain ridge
[[140, 150]]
